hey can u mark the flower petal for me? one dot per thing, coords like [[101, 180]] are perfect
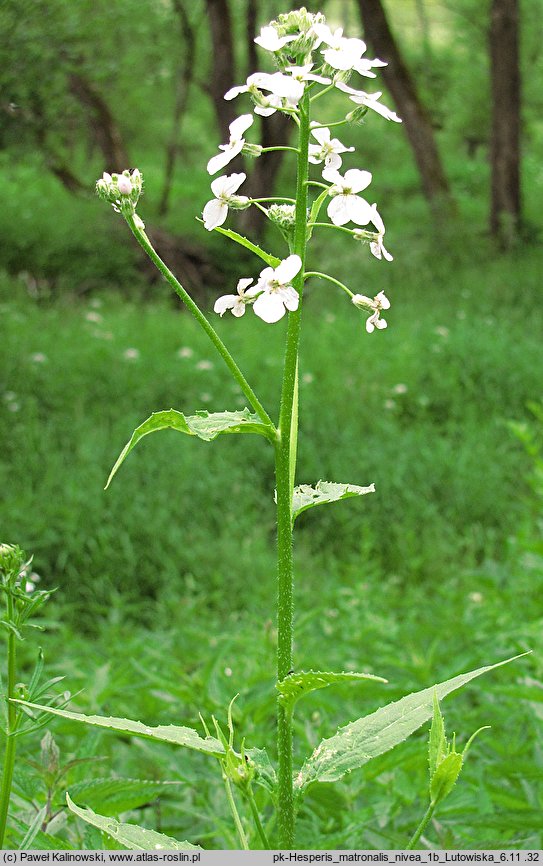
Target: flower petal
[[224, 303], [235, 91], [290, 297], [214, 214], [359, 209], [239, 125], [287, 270], [243, 283], [269, 307], [357, 179], [338, 210], [218, 162]]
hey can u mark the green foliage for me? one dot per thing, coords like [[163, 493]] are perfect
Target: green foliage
[[305, 496], [295, 686], [177, 735], [360, 741], [204, 425], [129, 835]]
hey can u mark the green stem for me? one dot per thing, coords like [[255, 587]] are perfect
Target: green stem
[[313, 225], [144, 242], [235, 814], [329, 125], [330, 280], [276, 198], [12, 720], [284, 475], [422, 826], [256, 817], [322, 92], [284, 147]]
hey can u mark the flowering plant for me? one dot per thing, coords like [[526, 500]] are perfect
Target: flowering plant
[[310, 61]]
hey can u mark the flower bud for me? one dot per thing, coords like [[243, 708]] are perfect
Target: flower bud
[[11, 560], [284, 217], [357, 115], [124, 184], [252, 149], [239, 202]]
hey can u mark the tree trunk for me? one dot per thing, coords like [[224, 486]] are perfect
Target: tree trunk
[[505, 206], [103, 123], [184, 78], [417, 124], [223, 66]]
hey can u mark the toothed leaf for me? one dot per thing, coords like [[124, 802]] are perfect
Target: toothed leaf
[[295, 686], [305, 496]]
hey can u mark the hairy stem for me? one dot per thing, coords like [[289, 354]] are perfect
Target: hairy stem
[[256, 818], [422, 826], [235, 815], [284, 474], [12, 718], [145, 243]]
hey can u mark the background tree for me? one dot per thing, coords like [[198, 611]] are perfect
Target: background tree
[[505, 205], [416, 120]]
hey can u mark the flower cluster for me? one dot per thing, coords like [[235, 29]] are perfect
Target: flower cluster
[[122, 191], [310, 59], [309, 56], [270, 297]]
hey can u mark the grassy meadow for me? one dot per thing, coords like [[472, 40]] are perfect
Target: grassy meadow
[[165, 597]]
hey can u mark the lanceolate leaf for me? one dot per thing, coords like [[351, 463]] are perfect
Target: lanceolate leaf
[[130, 835], [205, 425], [113, 796], [295, 686], [265, 772], [177, 735], [305, 496], [270, 260], [360, 741]]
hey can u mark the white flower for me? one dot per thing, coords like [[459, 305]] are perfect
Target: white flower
[[376, 239], [124, 184], [342, 53], [303, 73], [270, 40], [377, 247], [285, 91], [223, 188], [328, 149], [345, 205], [365, 65], [370, 100], [234, 146], [275, 294], [378, 303], [236, 303]]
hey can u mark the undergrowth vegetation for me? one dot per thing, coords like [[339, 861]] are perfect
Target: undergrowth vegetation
[[437, 571]]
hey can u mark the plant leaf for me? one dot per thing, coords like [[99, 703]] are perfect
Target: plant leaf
[[437, 743], [113, 796], [305, 496], [33, 829], [177, 735], [270, 260], [445, 777], [205, 425], [130, 835], [295, 686], [355, 744], [265, 771]]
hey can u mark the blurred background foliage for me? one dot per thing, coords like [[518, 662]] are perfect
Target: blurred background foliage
[[437, 572]]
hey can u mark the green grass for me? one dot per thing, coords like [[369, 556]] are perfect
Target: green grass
[[166, 582]]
